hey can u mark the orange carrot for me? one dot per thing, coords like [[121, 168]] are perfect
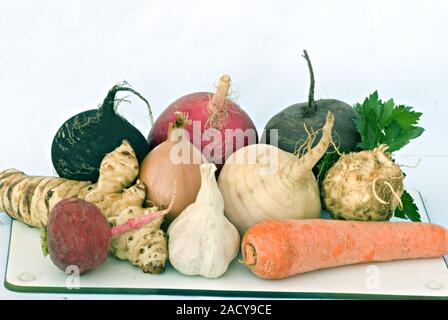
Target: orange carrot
[[276, 249]]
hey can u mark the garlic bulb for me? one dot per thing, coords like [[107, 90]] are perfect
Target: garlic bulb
[[201, 240]]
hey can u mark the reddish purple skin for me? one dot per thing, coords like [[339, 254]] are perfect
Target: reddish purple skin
[[196, 106], [77, 235]]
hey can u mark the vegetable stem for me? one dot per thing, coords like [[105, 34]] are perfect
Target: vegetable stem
[[109, 101], [138, 223], [180, 123], [217, 107], [312, 106]]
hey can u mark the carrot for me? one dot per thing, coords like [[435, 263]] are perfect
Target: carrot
[[276, 249]]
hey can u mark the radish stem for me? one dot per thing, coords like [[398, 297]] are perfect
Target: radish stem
[[109, 101], [312, 106]]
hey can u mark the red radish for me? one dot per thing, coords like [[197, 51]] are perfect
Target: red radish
[[209, 111], [78, 234]]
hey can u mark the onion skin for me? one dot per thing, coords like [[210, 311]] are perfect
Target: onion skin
[[161, 175], [196, 105]]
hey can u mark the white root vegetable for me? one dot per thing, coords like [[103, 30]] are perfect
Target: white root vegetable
[[262, 182], [364, 185], [201, 240]]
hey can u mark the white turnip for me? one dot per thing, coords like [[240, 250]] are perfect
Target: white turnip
[[261, 182]]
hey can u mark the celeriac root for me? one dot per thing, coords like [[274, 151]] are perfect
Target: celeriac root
[[365, 185], [30, 200]]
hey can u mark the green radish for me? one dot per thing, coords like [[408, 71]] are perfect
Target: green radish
[[81, 143]]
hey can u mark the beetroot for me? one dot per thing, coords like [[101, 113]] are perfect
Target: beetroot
[[79, 235], [207, 111]]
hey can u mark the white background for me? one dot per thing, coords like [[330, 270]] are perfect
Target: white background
[[58, 58]]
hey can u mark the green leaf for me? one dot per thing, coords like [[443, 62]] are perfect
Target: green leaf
[[400, 137], [405, 117], [328, 160], [386, 123], [386, 113], [410, 210]]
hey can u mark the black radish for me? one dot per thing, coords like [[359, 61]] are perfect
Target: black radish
[[291, 121], [82, 141]]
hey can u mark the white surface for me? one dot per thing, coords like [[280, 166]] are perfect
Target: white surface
[[60, 58], [405, 278]]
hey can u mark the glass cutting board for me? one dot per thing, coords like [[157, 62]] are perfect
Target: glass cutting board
[[28, 271]]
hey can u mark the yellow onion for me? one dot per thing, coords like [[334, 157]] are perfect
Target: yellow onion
[[175, 162]]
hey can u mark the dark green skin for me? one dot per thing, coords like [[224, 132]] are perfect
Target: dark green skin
[[85, 139], [290, 124]]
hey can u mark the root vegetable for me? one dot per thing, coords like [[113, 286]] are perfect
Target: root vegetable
[[212, 114], [174, 162], [291, 122], [81, 143], [30, 200], [79, 235], [261, 182], [280, 249], [368, 185], [365, 185]]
